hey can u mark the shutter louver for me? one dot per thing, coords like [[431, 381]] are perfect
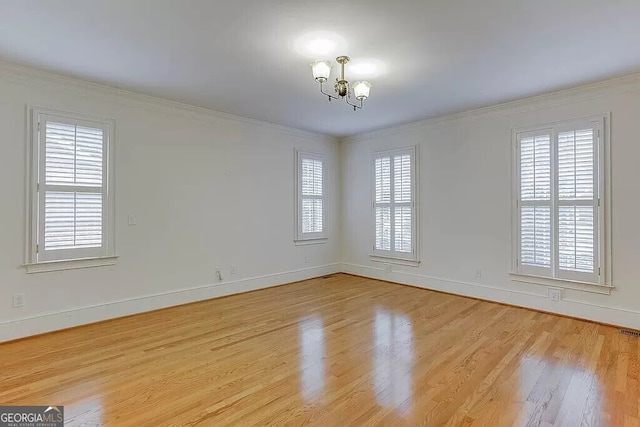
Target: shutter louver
[[60, 153], [576, 238], [535, 201], [402, 179], [383, 228], [575, 165], [59, 220], [383, 180], [89, 156], [402, 198], [403, 229], [311, 215], [73, 187], [577, 203], [383, 200]]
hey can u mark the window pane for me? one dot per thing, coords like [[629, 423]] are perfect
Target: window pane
[[383, 179], [383, 228], [535, 236], [402, 241], [535, 168], [311, 177], [72, 220], [402, 178], [576, 165], [576, 250]]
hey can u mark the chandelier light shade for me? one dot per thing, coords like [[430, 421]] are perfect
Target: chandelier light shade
[[321, 70], [361, 90], [342, 89]]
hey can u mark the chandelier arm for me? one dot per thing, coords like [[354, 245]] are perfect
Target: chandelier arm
[[354, 105], [327, 94]]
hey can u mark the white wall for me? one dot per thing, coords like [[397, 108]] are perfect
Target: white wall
[[465, 201], [196, 178], [209, 190]]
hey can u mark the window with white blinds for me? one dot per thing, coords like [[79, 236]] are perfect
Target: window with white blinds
[[394, 204], [558, 212], [71, 200], [310, 205]]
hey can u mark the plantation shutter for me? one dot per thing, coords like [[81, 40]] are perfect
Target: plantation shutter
[[383, 203], [577, 203], [311, 197], [535, 202], [394, 209], [558, 208], [403, 209], [71, 189]]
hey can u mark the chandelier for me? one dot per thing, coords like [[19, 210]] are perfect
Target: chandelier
[[321, 72]]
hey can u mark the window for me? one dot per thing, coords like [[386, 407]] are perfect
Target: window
[[71, 191], [559, 220], [394, 205], [311, 202]]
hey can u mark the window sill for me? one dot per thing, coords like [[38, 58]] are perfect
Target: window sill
[[69, 264], [305, 242], [562, 283], [397, 261]]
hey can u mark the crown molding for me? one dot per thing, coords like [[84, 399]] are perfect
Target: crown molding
[[558, 98], [24, 75]]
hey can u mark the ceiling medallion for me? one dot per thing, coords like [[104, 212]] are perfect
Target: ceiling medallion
[[359, 90]]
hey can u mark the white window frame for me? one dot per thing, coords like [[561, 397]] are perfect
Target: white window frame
[[309, 238], [36, 260], [392, 256], [600, 280]]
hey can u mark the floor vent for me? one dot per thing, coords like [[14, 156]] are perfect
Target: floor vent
[[629, 332]]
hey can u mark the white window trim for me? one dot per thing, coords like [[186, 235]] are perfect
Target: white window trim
[[604, 283], [393, 257], [301, 238], [85, 259]]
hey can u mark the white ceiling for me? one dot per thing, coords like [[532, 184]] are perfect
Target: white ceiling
[[247, 57]]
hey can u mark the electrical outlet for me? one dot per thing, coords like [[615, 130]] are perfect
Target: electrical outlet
[[479, 273], [232, 269], [18, 300], [307, 259], [132, 219], [387, 268], [555, 294], [218, 275]]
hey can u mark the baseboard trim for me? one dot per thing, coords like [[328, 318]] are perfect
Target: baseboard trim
[[614, 316], [48, 322]]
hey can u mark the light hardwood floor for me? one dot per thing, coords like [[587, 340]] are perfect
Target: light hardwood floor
[[334, 351]]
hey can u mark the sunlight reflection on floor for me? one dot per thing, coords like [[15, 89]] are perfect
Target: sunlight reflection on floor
[[393, 359], [312, 357]]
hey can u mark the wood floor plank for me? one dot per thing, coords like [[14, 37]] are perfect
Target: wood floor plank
[[333, 351]]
